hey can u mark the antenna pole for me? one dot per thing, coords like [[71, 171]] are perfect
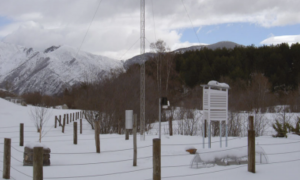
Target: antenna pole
[[142, 51]]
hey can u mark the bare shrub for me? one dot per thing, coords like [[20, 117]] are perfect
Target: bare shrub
[[234, 124], [189, 123], [40, 117], [260, 123]]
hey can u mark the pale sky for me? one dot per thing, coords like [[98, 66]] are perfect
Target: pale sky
[[115, 30]]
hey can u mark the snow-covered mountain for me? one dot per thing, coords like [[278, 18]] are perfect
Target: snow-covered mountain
[[49, 71]]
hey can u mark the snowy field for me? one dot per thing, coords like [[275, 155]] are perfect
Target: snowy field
[[81, 161]]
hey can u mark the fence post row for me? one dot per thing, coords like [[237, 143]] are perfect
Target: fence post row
[[21, 134], [251, 146], [6, 158], [156, 159], [38, 163]]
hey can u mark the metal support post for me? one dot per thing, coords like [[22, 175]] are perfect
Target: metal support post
[[159, 116], [220, 133]]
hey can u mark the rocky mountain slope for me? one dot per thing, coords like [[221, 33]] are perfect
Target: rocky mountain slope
[[49, 71]]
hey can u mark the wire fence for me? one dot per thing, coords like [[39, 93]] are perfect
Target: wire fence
[[17, 170], [145, 157]]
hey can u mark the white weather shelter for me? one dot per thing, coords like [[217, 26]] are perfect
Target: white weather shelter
[[215, 106]]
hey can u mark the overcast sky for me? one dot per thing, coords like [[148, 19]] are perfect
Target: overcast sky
[[115, 30]]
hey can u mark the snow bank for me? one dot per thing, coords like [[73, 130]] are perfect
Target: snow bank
[[31, 145], [216, 83]]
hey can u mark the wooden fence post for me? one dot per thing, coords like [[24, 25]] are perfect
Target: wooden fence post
[[75, 133], [68, 118], [6, 158], [97, 136], [134, 140], [126, 134], [60, 119], [205, 128], [170, 127], [63, 127], [55, 122], [156, 159], [21, 134], [38, 163], [80, 126], [251, 146]]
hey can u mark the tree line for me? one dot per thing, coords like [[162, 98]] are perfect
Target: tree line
[[259, 77]]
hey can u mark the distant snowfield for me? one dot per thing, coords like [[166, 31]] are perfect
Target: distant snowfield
[[81, 161]]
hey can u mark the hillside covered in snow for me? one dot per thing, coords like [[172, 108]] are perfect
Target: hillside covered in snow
[[49, 71]]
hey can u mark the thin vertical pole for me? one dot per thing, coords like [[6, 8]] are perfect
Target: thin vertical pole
[[134, 140], [203, 136], [209, 135], [142, 70], [60, 119], [67, 116], [38, 163], [55, 122], [6, 158], [159, 116], [80, 126], [21, 134], [251, 146], [220, 133], [205, 128], [156, 159], [226, 134], [75, 133]]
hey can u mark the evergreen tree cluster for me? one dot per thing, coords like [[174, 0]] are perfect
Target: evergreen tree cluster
[[280, 64]]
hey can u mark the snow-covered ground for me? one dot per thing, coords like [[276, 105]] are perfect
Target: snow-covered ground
[[81, 161]]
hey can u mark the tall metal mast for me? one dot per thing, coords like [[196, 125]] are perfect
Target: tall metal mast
[[142, 49]]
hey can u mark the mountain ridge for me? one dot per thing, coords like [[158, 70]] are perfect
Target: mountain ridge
[[52, 70], [138, 59]]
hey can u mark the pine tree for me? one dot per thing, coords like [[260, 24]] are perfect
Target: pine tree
[[281, 131], [296, 130]]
